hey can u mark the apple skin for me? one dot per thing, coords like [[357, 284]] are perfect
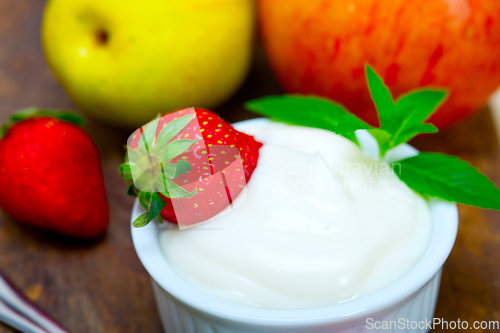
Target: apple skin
[[125, 61], [320, 46]]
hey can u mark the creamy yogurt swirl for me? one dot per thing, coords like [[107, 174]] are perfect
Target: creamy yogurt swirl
[[322, 223]]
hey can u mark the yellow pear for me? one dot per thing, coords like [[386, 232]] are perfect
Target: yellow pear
[[125, 61]]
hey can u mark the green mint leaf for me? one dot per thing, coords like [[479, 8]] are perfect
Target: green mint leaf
[[413, 109], [383, 138], [405, 118], [172, 129], [309, 111], [125, 171], [449, 178], [176, 147], [381, 96]]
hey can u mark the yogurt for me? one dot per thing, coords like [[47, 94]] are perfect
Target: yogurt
[[322, 223]]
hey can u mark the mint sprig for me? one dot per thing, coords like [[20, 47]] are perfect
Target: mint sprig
[[405, 118], [430, 174]]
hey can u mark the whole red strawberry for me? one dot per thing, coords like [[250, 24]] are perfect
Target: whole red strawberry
[[50, 174], [189, 166]]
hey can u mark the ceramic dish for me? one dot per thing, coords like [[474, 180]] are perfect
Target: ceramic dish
[[182, 308]]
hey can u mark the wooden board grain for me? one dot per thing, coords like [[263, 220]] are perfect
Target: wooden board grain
[[102, 287]]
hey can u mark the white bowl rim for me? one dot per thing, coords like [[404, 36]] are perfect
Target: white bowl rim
[[146, 243]]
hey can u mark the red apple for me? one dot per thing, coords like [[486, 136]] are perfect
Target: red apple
[[320, 46]]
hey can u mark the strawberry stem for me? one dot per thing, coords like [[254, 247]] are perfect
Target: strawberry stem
[[33, 112]]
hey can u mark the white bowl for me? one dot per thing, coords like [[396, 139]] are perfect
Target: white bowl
[[412, 299]]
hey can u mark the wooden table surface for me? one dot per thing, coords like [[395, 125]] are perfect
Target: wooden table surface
[[102, 287]]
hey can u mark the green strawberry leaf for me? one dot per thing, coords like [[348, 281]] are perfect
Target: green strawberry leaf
[[169, 170], [131, 190], [182, 168], [173, 191], [148, 179], [142, 145], [144, 199], [142, 220], [172, 129], [147, 168], [149, 134], [71, 117], [155, 206], [176, 147], [131, 155], [309, 111], [4, 129], [30, 112], [33, 112], [125, 171], [173, 171], [24, 113], [449, 178]]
